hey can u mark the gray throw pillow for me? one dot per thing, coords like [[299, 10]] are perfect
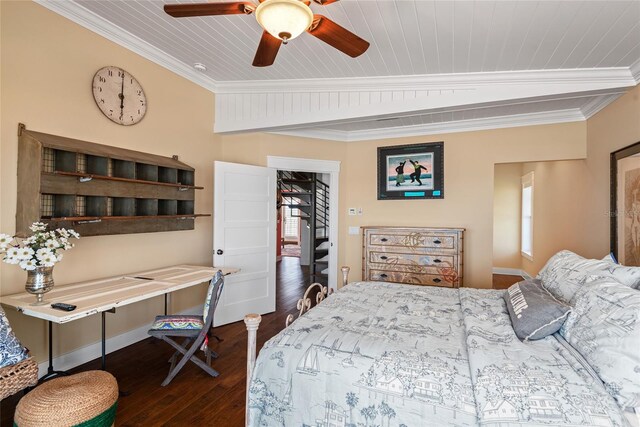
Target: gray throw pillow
[[534, 311]]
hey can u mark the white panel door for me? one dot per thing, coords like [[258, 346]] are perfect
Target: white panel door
[[244, 236]]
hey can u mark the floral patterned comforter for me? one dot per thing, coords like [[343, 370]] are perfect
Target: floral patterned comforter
[[384, 354]]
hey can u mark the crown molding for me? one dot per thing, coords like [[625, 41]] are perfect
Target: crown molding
[[318, 133], [635, 70], [93, 22], [617, 76], [598, 103], [499, 122]]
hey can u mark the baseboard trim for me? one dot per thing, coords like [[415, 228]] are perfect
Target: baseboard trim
[[92, 351], [511, 272]]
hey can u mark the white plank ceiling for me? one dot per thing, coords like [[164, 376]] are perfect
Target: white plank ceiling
[[408, 38]]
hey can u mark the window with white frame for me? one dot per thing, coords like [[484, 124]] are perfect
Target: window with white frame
[[526, 241], [291, 223]]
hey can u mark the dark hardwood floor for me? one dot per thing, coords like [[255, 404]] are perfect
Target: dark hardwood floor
[[503, 281], [193, 398]]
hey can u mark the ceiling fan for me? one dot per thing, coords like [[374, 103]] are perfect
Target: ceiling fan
[[282, 20]]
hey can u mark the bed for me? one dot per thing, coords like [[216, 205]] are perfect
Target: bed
[[385, 354]]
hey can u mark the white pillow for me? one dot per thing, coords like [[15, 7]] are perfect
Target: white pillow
[[566, 272], [604, 327]]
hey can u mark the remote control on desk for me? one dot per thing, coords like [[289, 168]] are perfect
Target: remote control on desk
[[63, 306]]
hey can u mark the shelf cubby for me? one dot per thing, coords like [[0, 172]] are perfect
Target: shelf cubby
[[167, 207], [145, 172], [65, 161], [96, 206], [124, 206], [185, 177], [146, 207], [168, 175], [64, 205], [185, 207], [124, 169], [97, 165]]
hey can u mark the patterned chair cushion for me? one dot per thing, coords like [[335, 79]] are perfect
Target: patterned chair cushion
[[11, 351], [178, 322], [566, 272], [207, 301], [604, 327]]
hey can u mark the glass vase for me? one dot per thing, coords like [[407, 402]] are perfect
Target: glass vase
[[39, 282]]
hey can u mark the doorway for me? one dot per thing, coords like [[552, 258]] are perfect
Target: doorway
[[309, 216], [304, 227]]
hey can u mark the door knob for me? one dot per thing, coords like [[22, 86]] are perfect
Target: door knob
[[219, 252]]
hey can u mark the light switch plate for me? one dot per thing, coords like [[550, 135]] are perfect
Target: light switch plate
[[354, 231], [352, 211]]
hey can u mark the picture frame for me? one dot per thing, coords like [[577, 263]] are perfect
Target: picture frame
[[625, 205], [407, 172]]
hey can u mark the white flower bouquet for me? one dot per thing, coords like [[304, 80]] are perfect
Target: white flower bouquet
[[42, 249]]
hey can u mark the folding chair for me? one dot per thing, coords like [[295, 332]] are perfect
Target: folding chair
[[194, 329]]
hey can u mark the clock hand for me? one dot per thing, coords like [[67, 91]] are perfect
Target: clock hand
[[121, 96]]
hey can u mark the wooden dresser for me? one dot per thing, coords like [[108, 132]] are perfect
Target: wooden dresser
[[413, 255]]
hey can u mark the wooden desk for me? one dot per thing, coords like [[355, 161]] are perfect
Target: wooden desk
[[105, 295]]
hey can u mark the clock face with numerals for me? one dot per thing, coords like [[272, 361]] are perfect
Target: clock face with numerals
[[119, 96]]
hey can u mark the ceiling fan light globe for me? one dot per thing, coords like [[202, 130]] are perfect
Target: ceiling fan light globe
[[284, 17]]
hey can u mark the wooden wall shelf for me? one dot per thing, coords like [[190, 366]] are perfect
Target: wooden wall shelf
[[98, 189], [89, 177]]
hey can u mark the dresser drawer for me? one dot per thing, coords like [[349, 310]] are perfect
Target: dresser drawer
[[412, 240], [450, 281], [410, 259]]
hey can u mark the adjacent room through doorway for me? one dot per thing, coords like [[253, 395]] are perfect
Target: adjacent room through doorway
[[303, 224]]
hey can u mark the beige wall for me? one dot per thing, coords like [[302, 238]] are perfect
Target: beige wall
[[47, 68], [615, 127], [469, 166], [571, 198], [560, 202], [506, 215], [469, 184], [560, 212]]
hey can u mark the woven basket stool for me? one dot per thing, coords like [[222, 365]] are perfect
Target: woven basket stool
[[87, 399]]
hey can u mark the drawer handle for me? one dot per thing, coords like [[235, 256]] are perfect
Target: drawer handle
[[437, 261], [437, 242], [383, 275], [383, 257], [384, 239], [437, 280]]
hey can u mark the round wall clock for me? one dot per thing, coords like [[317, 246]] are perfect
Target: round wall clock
[[119, 96]]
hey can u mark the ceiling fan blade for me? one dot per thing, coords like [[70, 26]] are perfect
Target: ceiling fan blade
[[325, 2], [206, 9], [267, 50], [337, 36]]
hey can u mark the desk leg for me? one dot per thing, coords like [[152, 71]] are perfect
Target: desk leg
[[104, 341], [165, 304], [104, 345], [51, 373]]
